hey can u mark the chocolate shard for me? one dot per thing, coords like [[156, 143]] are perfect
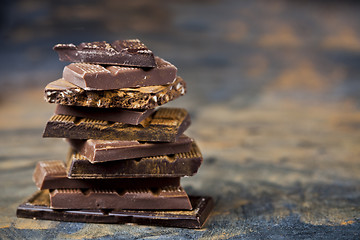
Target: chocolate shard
[[174, 198], [109, 150], [133, 117], [96, 77], [65, 93], [38, 207], [130, 52], [175, 165], [165, 125], [53, 175]]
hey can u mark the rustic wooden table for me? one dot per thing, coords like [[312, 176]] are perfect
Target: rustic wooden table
[[275, 110]]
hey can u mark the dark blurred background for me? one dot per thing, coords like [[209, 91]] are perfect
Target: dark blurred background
[[273, 94], [222, 48]]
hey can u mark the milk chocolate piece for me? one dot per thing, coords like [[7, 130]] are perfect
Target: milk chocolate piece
[[65, 93], [141, 198], [165, 125], [175, 165], [110, 150], [130, 52], [96, 77], [52, 175], [108, 114], [38, 207]]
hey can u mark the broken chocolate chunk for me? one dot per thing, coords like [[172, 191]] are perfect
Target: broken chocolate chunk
[[165, 125], [122, 115], [111, 150], [96, 77], [173, 165], [65, 93], [130, 52], [53, 175]]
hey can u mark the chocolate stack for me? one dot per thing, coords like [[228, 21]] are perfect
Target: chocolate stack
[[126, 157]]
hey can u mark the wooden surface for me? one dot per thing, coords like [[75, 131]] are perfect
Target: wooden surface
[[274, 102]]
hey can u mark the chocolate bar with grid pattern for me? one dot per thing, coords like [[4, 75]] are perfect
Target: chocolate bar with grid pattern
[[38, 207], [97, 77], [174, 165], [53, 175], [165, 125], [170, 198], [97, 151], [122, 115], [130, 52]]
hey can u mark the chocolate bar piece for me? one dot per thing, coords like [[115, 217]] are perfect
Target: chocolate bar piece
[[96, 77], [52, 175], [165, 125], [65, 93], [110, 150], [141, 198], [38, 207], [175, 165], [108, 114], [130, 52]]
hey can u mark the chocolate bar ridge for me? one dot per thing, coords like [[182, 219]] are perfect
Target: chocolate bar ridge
[[141, 198], [130, 52], [53, 175], [133, 117], [65, 93], [109, 150], [38, 206], [165, 125], [96, 77], [175, 165]]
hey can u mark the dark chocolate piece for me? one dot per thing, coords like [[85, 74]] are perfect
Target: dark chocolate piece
[[38, 207], [130, 52], [141, 198], [110, 150], [96, 77], [52, 175], [108, 114], [175, 165], [65, 93], [165, 125]]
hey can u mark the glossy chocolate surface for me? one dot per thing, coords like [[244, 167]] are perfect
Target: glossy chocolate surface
[[97, 77], [110, 150]]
